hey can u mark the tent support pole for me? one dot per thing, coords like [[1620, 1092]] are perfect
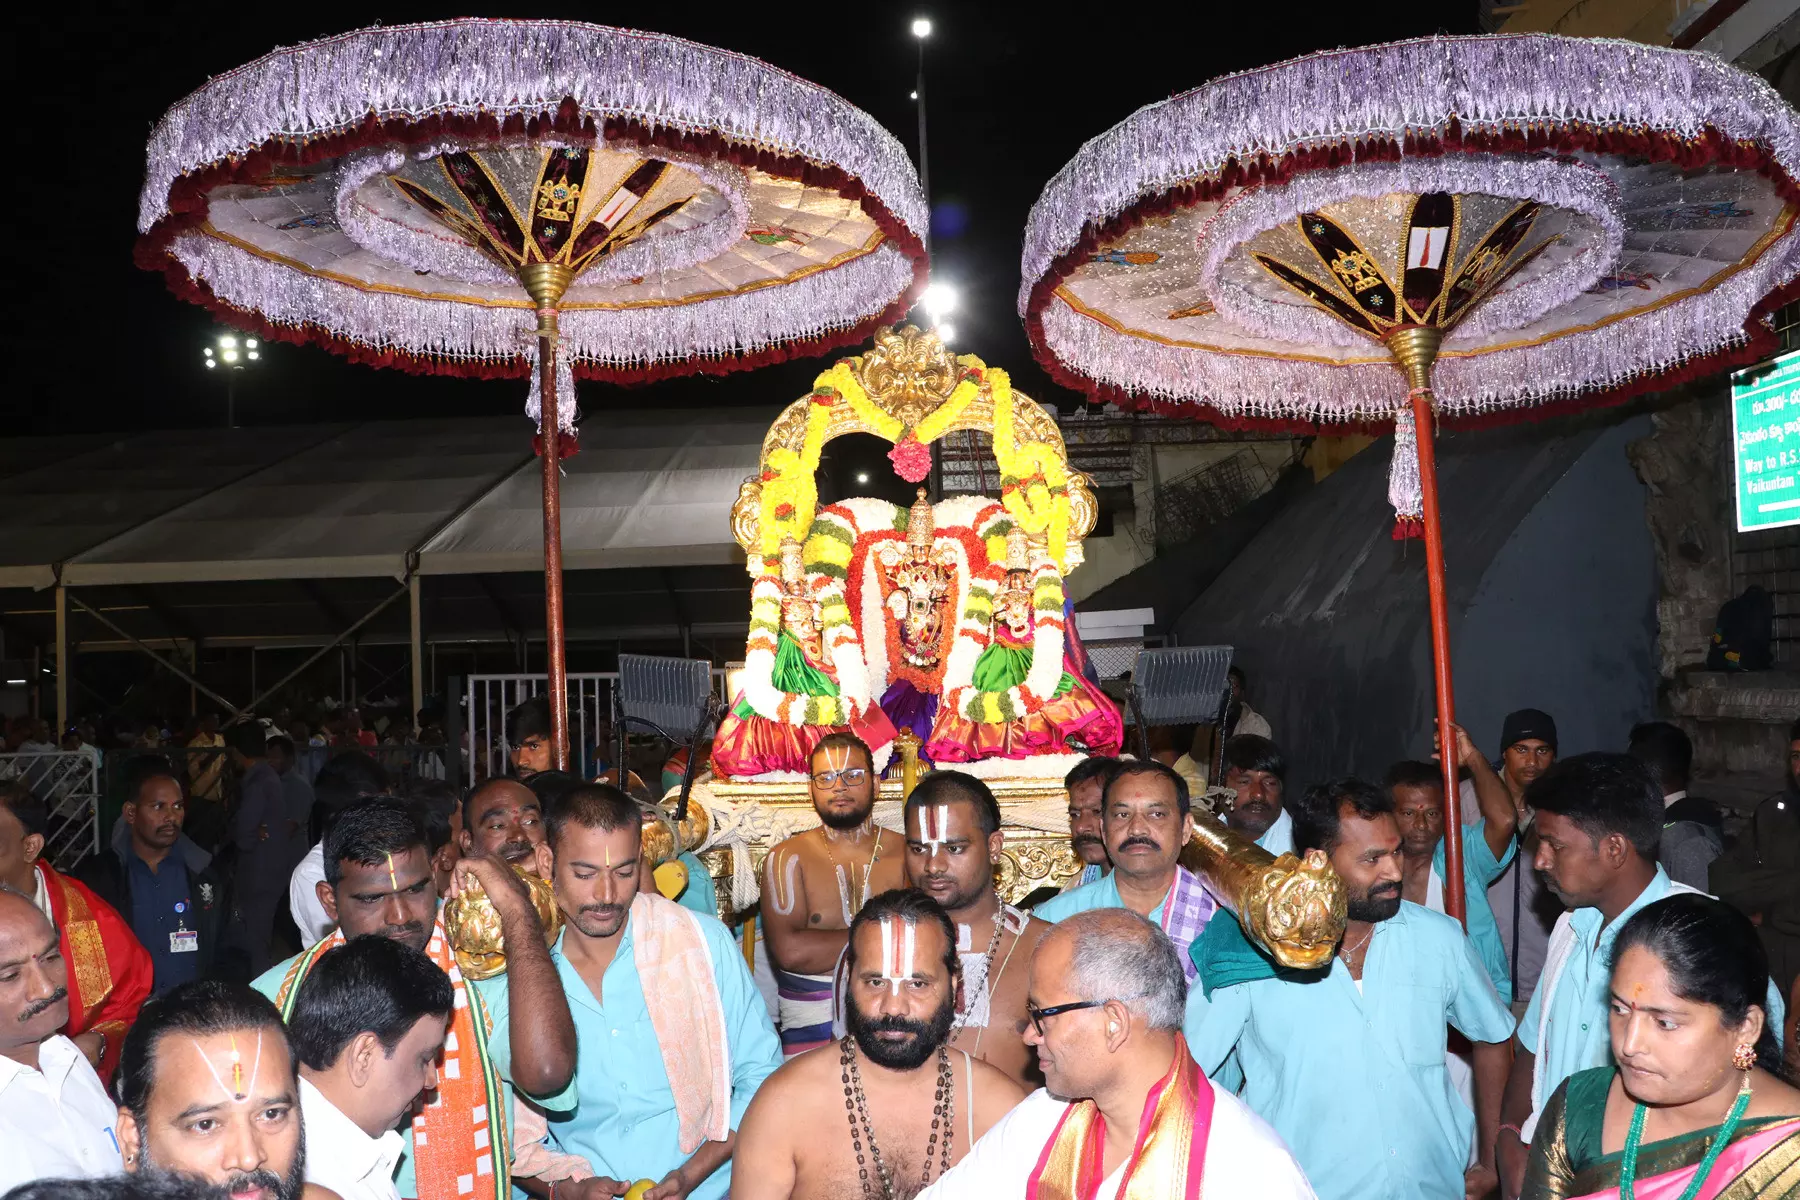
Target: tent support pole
[[62, 661], [546, 283], [159, 660], [418, 658], [321, 653], [1415, 349]]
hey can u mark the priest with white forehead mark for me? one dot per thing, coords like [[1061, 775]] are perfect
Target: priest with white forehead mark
[[815, 882], [890, 1105], [953, 852]]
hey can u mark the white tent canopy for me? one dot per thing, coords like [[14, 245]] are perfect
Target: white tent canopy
[[454, 496]]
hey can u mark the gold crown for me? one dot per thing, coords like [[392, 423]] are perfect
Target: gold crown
[[920, 527]]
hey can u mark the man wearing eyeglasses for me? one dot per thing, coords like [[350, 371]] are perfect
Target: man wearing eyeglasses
[[816, 882], [1125, 1111]]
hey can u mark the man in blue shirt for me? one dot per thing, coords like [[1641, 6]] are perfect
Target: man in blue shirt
[[1599, 824], [160, 881], [1417, 790], [1256, 770], [1347, 1062], [675, 1039], [1085, 783]]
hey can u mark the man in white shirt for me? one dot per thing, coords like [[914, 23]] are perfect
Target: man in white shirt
[[55, 1119], [1107, 999], [367, 1026]]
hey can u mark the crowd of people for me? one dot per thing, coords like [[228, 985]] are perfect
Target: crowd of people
[[275, 1009]]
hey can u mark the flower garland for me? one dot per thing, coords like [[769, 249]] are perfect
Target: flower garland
[[790, 485], [1034, 479], [909, 455]]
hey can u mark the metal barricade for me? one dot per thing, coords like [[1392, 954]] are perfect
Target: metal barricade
[[488, 698], [68, 782]]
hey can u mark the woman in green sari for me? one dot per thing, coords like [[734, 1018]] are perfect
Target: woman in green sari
[[1697, 1108]]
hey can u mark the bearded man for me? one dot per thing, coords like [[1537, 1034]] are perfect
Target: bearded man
[[953, 844], [1347, 1062], [913, 1105], [208, 1095], [1125, 1114], [814, 883]]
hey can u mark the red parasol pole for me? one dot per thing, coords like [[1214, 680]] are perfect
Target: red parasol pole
[[1415, 349], [547, 282]]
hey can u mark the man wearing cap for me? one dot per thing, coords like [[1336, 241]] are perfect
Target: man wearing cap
[[1525, 909]]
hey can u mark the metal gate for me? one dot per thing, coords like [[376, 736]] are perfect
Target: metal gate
[[488, 698], [68, 782]]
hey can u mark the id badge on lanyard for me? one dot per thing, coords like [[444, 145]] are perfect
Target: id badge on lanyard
[[183, 940]]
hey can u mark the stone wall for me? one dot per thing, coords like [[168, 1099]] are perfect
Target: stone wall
[[1687, 481]]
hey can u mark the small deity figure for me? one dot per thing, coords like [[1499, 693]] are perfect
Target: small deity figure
[[769, 730], [919, 581], [1074, 718]]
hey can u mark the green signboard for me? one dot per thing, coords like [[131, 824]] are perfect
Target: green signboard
[[1765, 441]]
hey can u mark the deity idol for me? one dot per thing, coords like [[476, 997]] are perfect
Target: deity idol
[[1014, 721], [919, 584], [791, 696]]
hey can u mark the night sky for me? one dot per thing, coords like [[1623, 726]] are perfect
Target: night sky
[[1013, 91]]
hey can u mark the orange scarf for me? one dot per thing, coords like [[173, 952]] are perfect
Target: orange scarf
[[1167, 1160], [462, 1135]]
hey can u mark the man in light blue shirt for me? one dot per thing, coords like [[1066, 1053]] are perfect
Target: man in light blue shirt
[[1257, 771], [1145, 821], [1599, 825], [675, 1038], [1347, 1062], [1417, 789]]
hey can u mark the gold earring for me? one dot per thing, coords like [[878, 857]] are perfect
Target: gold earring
[[1743, 1057]]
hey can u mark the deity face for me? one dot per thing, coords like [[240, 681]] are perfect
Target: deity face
[[1012, 607]]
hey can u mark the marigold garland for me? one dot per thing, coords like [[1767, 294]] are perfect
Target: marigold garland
[[1034, 481], [974, 633]]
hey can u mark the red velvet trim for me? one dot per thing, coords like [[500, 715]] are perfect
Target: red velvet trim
[[187, 205], [1707, 150]]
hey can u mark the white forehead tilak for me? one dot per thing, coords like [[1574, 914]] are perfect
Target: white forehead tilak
[[898, 941], [934, 822]]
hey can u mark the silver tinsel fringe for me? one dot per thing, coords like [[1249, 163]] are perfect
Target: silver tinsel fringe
[[527, 68], [1484, 83]]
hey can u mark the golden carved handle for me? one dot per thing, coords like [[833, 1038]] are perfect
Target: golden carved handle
[[907, 742], [473, 926], [1293, 908]]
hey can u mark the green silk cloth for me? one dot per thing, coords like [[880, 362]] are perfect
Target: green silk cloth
[[794, 674], [1003, 666]]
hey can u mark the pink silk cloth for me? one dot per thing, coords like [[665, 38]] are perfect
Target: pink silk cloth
[[1737, 1158], [681, 990]]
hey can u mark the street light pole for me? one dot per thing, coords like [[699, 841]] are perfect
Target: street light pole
[[232, 354], [921, 29]]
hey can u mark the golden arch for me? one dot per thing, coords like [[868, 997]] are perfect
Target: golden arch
[[908, 374]]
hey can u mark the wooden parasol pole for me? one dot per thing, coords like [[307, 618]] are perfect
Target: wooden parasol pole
[[546, 282], [1415, 348]]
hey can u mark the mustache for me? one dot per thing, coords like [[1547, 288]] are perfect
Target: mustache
[[1383, 890], [1139, 840], [1086, 839], [400, 933], [258, 1178], [895, 1024], [601, 910], [45, 1005]]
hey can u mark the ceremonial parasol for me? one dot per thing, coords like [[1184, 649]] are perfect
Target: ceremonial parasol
[[503, 198], [1511, 221]]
